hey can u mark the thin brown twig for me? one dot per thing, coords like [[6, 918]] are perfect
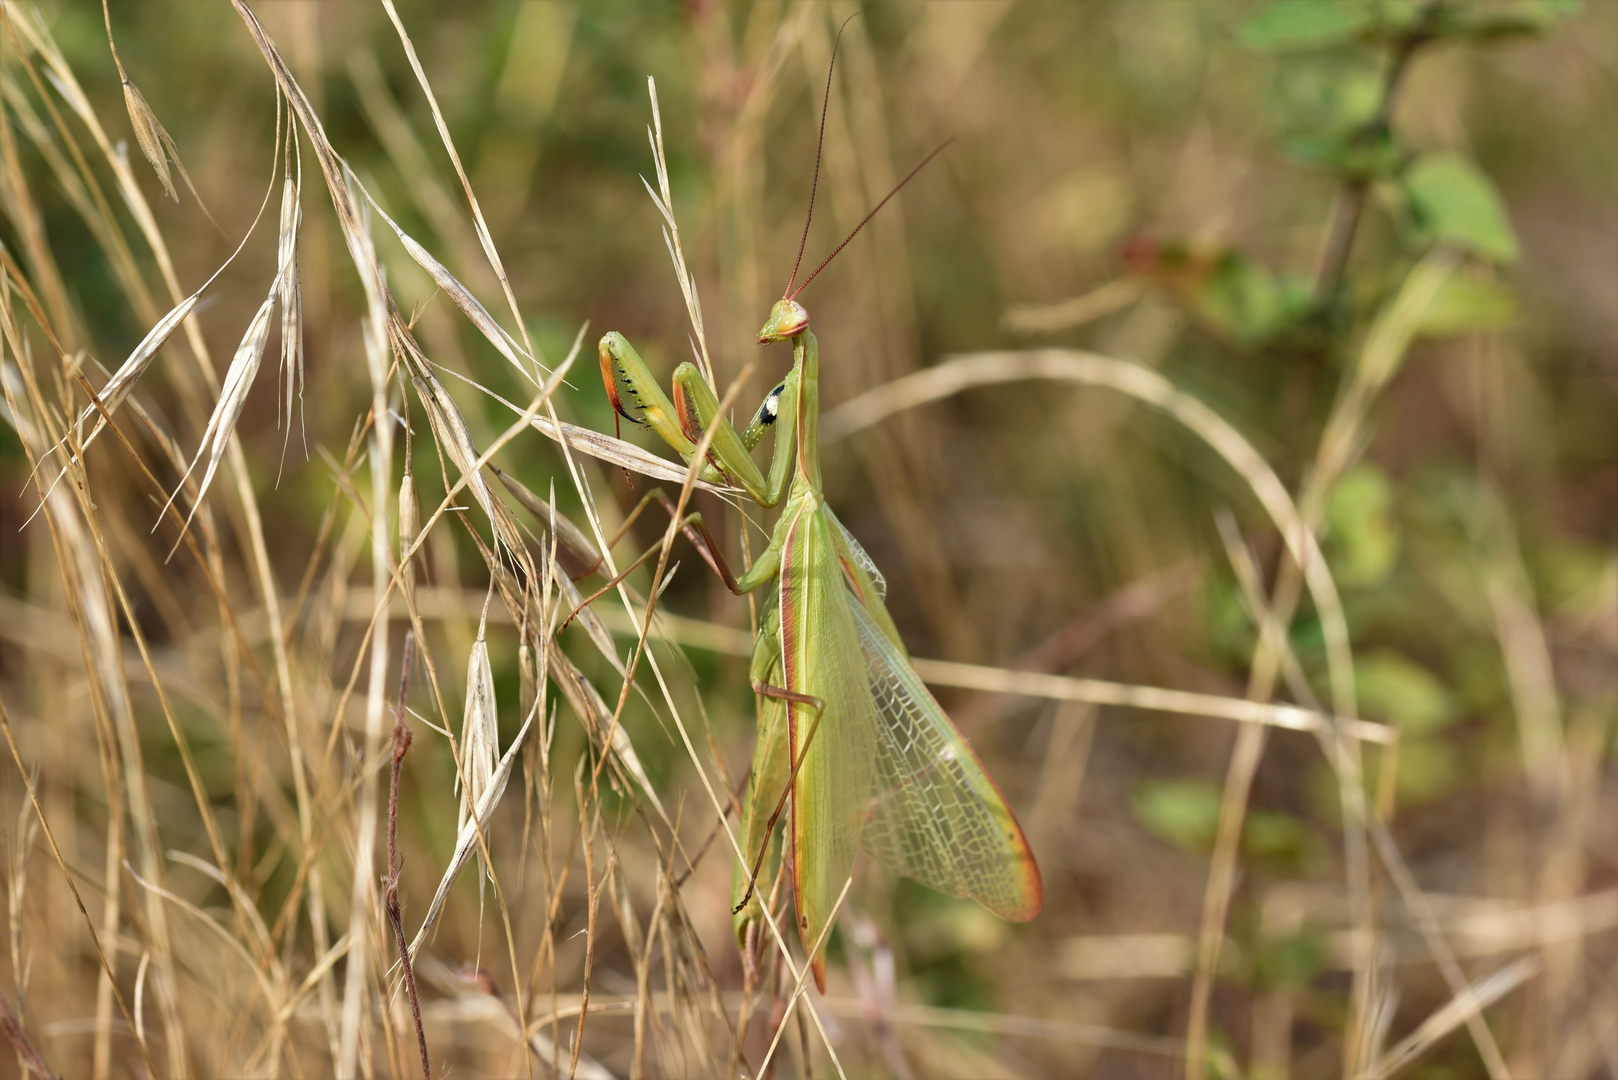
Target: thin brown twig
[[402, 738]]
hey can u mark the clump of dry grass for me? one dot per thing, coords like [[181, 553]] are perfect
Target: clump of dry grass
[[224, 886]]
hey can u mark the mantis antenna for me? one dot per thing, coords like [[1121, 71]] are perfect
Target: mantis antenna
[[866, 219], [814, 184], [820, 145]]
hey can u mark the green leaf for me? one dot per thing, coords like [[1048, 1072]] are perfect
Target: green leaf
[[1248, 302], [1337, 93], [1398, 688], [1351, 155], [1231, 293], [1280, 840], [1287, 25], [1485, 23], [1450, 200], [1362, 531], [1240, 296], [1292, 961], [1183, 812], [1428, 770], [1466, 303]]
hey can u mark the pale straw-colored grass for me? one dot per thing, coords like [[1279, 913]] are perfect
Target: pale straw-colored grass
[[198, 719]]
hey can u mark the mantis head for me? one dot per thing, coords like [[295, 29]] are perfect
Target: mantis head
[[787, 320]]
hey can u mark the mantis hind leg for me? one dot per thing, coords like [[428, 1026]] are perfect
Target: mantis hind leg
[[774, 771], [766, 788]]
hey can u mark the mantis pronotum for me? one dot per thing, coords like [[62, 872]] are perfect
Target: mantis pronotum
[[869, 757]]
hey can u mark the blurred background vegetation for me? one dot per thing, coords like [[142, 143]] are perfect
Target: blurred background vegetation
[[1262, 202]]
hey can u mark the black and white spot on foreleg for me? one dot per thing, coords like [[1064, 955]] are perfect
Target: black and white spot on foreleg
[[771, 409]]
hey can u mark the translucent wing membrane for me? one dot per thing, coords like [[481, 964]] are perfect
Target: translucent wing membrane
[[936, 816], [858, 556]]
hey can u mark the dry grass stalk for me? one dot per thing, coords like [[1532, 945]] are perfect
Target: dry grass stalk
[[243, 866]]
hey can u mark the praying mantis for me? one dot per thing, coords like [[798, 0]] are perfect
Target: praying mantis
[[848, 733]]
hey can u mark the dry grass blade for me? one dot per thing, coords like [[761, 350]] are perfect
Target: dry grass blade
[[149, 134], [1186, 703], [579, 691], [592, 443], [122, 381], [1019, 683], [664, 201], [479, 224], [228, 939], [85, 578], [1464, 1006], [232, 399], [218, 436], [583, 559], [155, 142], [357, 988], [78, 187], [67, 876], [29, 220], [291, 289], [799, 989], [467, 834], [129, 372], [959, 373], [442, 412], [1351, 787], [567, 533], [1379, 358], [463, 298], [1031, 1028], [444, 415], [480, 733], [613, 451], [1071, 314]]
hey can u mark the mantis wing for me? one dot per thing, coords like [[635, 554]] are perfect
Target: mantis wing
[[937, 817], [863, 571], [821, 660]]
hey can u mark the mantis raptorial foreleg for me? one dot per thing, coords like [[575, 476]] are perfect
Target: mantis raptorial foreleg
[[694, 409]]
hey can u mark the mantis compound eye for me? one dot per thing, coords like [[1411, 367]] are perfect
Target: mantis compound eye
[[787, 320]]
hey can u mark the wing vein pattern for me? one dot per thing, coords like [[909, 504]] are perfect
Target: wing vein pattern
[[936, 816]]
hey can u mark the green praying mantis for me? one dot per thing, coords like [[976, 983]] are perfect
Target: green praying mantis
[[848, 734]]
